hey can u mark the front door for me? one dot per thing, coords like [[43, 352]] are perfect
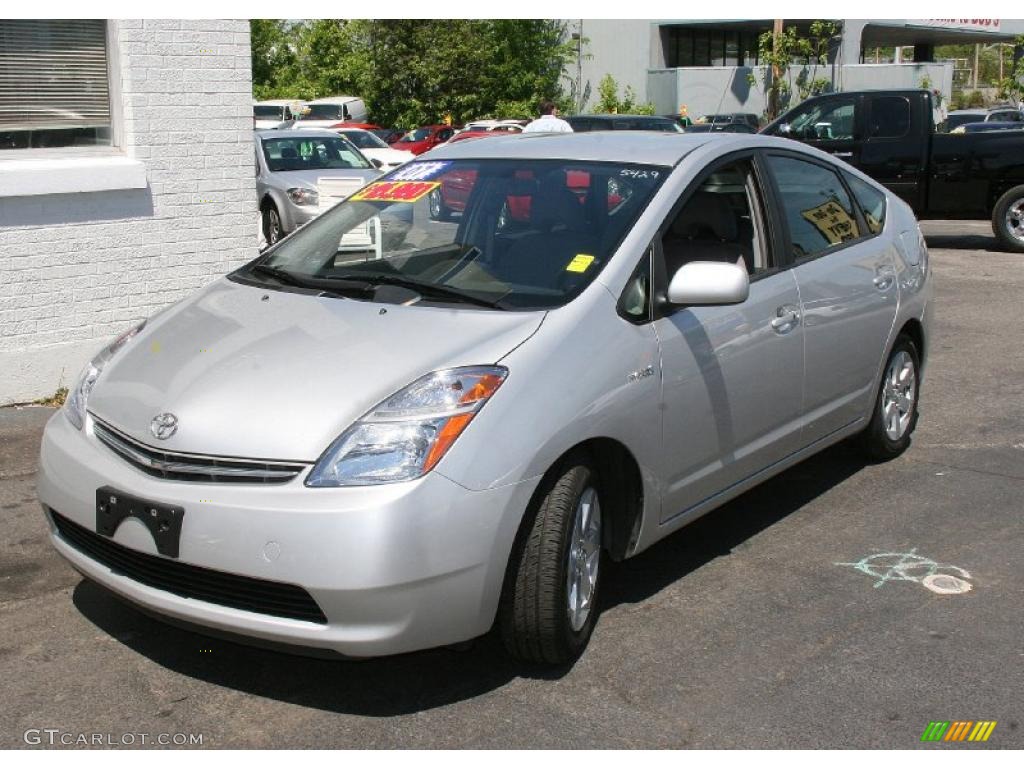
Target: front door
[[732, 375]]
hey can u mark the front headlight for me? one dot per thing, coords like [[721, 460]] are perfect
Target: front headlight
[[404, 436], [304, 196], [74, 406]]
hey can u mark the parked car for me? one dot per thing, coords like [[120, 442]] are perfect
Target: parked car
[[959, 117], [890, 136], [506, 126], [719, 128], [373, 453], [584, 123], [301, 174], [373, 147], [388, 135], [748, 119], [328, 112], [423, 139], [275, 113], [989, 125]]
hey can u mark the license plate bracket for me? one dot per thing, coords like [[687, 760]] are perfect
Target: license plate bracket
[[162, 520]]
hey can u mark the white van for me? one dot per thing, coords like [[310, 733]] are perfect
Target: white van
[[275, 113], [331, 110]]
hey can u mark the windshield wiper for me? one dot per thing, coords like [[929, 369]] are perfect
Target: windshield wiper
[[431, 289], [330, 285]]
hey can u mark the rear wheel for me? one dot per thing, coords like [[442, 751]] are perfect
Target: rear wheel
[[895, 413], [549, 604], [1008, 219]]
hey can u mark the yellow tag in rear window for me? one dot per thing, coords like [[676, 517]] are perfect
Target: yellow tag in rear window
[[580, 263], [395, 191]]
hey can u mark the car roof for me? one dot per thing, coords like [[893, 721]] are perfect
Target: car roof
[[311, 133], [620, 117], [276, 102], [647, 148], [334, 100], [969, 111]]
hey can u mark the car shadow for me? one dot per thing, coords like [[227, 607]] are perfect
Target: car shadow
[[421, 681], [963, 242]]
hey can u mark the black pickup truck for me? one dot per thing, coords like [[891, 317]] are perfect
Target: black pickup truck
[[891, 136]]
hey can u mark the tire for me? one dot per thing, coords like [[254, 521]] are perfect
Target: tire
[[272, 228], [895, 411], [438, 210], [1008, 220], [554, 568]]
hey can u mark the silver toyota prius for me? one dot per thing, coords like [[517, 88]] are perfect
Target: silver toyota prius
[[394, 431]]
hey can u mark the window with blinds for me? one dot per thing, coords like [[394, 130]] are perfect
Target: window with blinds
[[53, 83]]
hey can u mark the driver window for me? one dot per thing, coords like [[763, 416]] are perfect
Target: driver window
[[831, 120], [721, 221]]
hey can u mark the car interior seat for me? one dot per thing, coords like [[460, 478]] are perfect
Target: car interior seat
[[706, 229]]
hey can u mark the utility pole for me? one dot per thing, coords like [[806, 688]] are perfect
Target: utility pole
[[773, 106], [977, 56]]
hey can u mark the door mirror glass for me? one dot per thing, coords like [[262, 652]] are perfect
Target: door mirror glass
[[703, 283]]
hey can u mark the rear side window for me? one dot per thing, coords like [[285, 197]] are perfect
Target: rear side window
[[871, 202], [816, 206], [890, 117]]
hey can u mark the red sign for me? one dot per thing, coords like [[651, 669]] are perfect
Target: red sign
[[395, 191]]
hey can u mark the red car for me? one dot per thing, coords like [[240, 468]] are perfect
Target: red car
[[424, 138]]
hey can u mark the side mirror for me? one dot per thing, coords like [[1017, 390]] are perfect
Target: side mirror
[[704, 283], [377, 163]]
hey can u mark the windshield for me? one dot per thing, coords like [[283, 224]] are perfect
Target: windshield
[[323, 112], [514, 234], [420, 134], [955, 121], [364, 139], [310, 154], [270, 113]]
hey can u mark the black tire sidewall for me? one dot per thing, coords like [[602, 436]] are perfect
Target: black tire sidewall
[[1007, 240], [576, 641]]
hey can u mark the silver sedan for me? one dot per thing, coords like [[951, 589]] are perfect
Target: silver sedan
[[302, 173], [375, 446]]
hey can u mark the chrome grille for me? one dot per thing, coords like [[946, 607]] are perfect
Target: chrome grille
[[188, 466]]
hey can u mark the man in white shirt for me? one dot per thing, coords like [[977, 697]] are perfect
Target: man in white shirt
[[549, 121]]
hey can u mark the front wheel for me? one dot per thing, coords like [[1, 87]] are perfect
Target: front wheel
[[549, 603], [438, 210], [895, 414], [272, 229], [1008, 220]]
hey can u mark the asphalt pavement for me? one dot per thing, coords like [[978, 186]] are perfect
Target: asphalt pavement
[[798, 616]]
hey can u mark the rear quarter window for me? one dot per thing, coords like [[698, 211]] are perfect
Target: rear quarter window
[[871, 202]]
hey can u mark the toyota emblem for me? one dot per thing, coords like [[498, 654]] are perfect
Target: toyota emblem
[[163, 425]]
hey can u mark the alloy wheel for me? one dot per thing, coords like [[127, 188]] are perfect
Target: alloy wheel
[[1015, 219], [898, 395], [584, 558]]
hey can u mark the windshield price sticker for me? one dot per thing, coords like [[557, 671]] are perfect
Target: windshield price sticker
[[395, 191], [419, 171], [580, 263]]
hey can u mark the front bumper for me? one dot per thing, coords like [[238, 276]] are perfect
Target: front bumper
[[394, 568]]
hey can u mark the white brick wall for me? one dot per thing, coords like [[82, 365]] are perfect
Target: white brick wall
[[76, 269]]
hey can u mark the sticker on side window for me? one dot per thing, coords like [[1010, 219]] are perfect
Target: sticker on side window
[[580, 263], [394, 191], [419, 171]]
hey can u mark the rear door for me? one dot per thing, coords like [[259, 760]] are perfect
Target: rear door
[[844, 266]]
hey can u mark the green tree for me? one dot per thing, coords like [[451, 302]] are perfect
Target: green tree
[[1012, 85], [413, 72], [608, 100], [790, 47]]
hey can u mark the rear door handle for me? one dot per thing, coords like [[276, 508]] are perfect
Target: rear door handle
[[787, 317]]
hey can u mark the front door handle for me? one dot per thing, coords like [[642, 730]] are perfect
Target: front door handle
[[787, 317], [842, 154]]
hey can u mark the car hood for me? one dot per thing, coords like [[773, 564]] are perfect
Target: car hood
[[312, 177], [269, 374]]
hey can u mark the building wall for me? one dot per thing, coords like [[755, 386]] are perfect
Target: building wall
[[77, 269], [710, 90], [621, 48]]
